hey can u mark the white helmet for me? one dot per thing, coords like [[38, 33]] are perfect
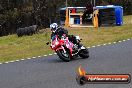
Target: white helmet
[[53, 27]]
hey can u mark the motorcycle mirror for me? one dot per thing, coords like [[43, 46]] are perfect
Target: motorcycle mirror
[[47, 43]]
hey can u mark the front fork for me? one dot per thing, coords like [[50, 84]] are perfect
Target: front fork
[[63, 49]]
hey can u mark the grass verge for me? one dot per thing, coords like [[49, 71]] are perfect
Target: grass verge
[[14, 48]]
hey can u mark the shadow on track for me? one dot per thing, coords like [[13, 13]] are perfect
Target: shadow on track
[[58, 60]]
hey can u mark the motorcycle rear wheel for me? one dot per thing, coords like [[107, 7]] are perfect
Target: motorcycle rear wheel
[[64, 56], [84, 53]]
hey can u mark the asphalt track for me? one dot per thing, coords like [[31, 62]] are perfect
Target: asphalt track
[[50, 72]]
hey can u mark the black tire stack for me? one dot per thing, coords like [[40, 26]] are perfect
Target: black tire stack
[[107, 17], [27, 30]]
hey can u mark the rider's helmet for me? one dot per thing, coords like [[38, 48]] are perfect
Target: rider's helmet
[[53, 27]]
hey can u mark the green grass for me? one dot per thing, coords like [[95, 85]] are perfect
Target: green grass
[[93, 36], [13, 48]]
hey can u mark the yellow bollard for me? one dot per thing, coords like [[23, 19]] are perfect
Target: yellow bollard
[[67, 18], [95, 19]]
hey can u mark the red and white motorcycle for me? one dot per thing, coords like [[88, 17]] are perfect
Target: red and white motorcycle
[[66, 50]]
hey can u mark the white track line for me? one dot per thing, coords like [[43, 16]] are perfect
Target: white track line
[[114, 42], [33, 57], [45, 55], [29, 58], [98, 45], [39, 56], [6, 62], [50, 54], [119, 41], [93, 46], [11, 61], [56, 53], [104, 44], [23, 59], [109, 43], [17, 60], [124, 40]]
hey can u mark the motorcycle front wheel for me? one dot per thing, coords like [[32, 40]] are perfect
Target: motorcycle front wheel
[[64, 56]]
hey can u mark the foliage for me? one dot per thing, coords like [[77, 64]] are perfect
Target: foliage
[[21, 13]]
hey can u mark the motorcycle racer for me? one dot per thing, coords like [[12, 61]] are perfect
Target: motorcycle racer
[[60, 31], [67, 47]]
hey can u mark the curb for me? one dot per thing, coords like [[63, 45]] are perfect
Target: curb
[[110, 43]]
